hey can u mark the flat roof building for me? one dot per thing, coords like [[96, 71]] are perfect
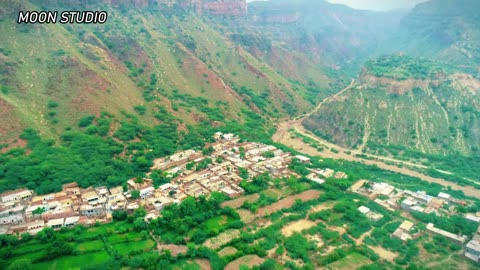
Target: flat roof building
[[451, 236]]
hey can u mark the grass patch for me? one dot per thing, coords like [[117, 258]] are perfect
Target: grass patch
[[352, 261], [90, 246], [74, 262], [127, 247]]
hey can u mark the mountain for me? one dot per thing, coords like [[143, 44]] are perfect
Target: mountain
[[446, 30], [402, 103], [332, 34], [149, 56], [195, 60]]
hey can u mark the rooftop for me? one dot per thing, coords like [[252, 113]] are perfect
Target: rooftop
[[474, 245], [406, 225], [363, 209]]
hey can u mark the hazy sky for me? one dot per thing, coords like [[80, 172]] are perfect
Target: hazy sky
[[378, 4], [374, 4]]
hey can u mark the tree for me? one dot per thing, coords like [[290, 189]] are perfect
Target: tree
[[38, 211], [208, 151], [21, 264], [57, 249], [26, 237], [243, 173], [139, 224], [190, 165], [120, 215], [140, 212], [139, 180], [135, 194], [46, 235]]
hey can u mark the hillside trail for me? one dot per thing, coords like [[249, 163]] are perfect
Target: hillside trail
[[283, 136]]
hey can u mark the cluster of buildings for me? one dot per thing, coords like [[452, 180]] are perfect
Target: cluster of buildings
[[21, 211], [404, 231], [419, 201], [226, 162], [371, 215], [472, 249], [194, 173], [443, 204]]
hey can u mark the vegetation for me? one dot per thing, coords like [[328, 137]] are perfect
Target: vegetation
[[400, 67]]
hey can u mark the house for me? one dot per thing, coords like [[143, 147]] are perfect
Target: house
[[217, 136], [372, 216], [472, 217], [232, 192], [90, 196], [160, 202], [402, 235], [16, 195], [436, 203], [444, 196], [356, 186], [55, 223], [326, 172], [313, 177], [71, 188], [12, 219], [406, 225], [408, 203], [303, 159], [12, 211], [402, 232], [35, 226], [92, 210], [71, 221], [363, 209], [150, 216], [102, 192], [449, 235], [472, 250], [146, 192], [383, 188], [229, 136], [420, 196], [418, 208]]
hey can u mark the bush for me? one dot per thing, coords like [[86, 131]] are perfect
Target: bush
[[140, 109], [86, 121], [298, 247], [52, 104]]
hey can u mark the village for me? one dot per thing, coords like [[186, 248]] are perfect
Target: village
[[191, 173], [408, 201], [219, 167]]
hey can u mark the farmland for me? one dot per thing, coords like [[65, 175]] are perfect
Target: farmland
[[290, 223]]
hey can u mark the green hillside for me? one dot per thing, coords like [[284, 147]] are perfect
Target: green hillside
[[419, 111], [158, 57]]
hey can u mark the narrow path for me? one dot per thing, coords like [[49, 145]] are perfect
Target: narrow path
[[282, 135], [301, 117]]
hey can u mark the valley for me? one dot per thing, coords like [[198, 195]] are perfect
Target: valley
[[234, 134], [286, 134]]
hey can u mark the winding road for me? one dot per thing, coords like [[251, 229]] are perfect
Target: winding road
[[284, 136]]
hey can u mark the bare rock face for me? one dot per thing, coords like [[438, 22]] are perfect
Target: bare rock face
[[225, 7]]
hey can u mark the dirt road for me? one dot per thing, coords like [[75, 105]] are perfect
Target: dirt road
[[284, 136]]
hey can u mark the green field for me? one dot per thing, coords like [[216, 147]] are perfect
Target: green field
[[352, 261], [74, 262], [127, 247]]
